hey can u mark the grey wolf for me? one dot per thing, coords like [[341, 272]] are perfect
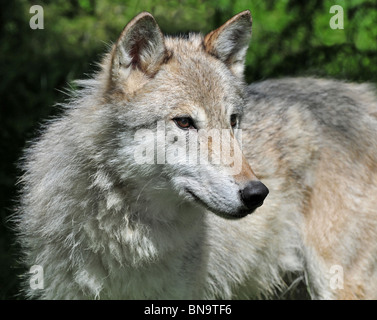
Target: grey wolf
[[104, 226]]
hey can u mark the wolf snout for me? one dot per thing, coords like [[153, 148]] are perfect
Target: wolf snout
[[253, 194]]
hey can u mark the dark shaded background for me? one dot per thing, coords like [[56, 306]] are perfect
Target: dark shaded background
[[290, 37]]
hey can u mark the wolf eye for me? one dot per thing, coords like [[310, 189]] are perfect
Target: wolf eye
[[233, 120], [184, 123]]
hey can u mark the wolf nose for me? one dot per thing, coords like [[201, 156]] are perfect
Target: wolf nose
[[253, 194]]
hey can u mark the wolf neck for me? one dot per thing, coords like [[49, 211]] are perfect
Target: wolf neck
[[145, 228]]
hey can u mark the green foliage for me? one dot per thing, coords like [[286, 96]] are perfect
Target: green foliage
[[290, 37]]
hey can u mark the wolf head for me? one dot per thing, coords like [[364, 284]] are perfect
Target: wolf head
[[179, 101]]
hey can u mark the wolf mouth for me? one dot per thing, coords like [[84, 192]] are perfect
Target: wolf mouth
[[232, 216]]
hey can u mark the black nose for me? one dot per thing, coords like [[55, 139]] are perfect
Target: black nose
[[253, 194]]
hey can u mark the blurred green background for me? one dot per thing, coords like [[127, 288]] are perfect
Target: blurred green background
[[290, 37]]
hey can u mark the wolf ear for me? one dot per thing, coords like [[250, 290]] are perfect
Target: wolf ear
[[140, 46], [229, 43]]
